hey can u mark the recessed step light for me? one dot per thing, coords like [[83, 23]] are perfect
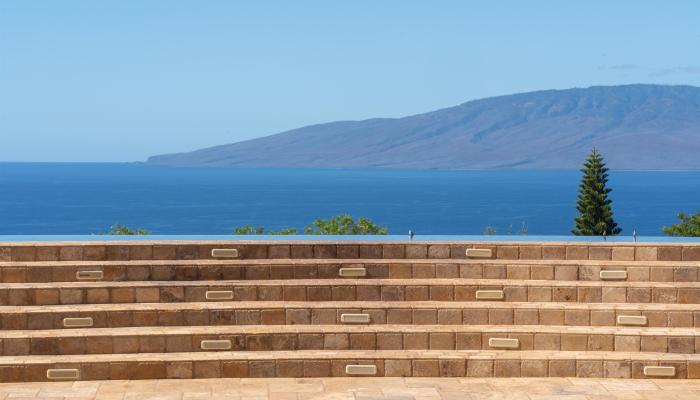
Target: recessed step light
[[224, 253], [361, 369], [659, 371], [504, 343], [85, 322], [613, 275], [62, 374], [634, 320], [479, 253], [352, 272], [93, 275], [354, 318], [489, 295], [219, 295], [215, 345]]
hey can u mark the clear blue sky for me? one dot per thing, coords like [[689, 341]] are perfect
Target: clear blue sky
[[121, 80]]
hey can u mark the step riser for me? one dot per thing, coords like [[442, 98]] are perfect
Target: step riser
[[66, 345], [493, 315], [512, 251], [298, 368], [365, 292], [68, 273]]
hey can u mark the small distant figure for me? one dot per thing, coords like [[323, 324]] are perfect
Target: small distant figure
[[634, 235], [605, 236], [410, 234]]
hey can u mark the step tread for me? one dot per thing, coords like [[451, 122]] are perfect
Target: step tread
[[326, 261], [348, 354], [355, 305], [389, 328], [353, 282]]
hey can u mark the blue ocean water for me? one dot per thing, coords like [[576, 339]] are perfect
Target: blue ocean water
[[58, 198]]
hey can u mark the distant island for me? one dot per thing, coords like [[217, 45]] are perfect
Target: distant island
[[638, 127]]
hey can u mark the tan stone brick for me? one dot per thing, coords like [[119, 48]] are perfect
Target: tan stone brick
[[325, 251], [627, 343], [623, 254], [507, 252], [317, 368], [425, 368], [442, 341], [553, 252], [397, 368], [645, 253], [444, 271], [290, 368], [566, 272], [682, 345], [452, 368], [599, 253], [506, 368], [363, 341], [667, 253], [551, 317], [542, 272], [393, 251], [366, 251], [493, 271], [576, 252], [178, 370], [471, 271], [602, 318], [71, 253], [24, 253], [518, 272], [577, 317], [416, 251], [547, 341], [589, 369], [690, 253], [235, 369], [439, 251], [526, 317], [530, 252], [479, 368], [468, 341], [617, 369], [562, 368], [574, 342], [416, 341], [534, 368]]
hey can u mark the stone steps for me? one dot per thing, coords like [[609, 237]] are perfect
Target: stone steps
[[339, 337], [144, 310], [325, 249], [511, 290], [263, 269], [315, 363], [321, 313]]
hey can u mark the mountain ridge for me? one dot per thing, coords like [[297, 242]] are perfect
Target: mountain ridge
[[637, 126]]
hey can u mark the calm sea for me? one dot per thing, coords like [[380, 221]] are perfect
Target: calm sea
[[55, 198]]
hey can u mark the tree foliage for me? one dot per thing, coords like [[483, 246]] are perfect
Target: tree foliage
[[344, 224], [248, 230], [594, 207], [689, 225], [118, 229]]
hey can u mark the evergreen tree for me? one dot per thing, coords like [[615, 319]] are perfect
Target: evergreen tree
[[594, 207]]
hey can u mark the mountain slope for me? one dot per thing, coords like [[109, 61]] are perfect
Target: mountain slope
[[634, 126]]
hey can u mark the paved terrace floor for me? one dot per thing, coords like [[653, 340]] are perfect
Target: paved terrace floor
[[359, 388]]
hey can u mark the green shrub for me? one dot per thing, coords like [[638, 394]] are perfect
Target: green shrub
[[689, 226], [344, 224], [338, 225], [118, 229]]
